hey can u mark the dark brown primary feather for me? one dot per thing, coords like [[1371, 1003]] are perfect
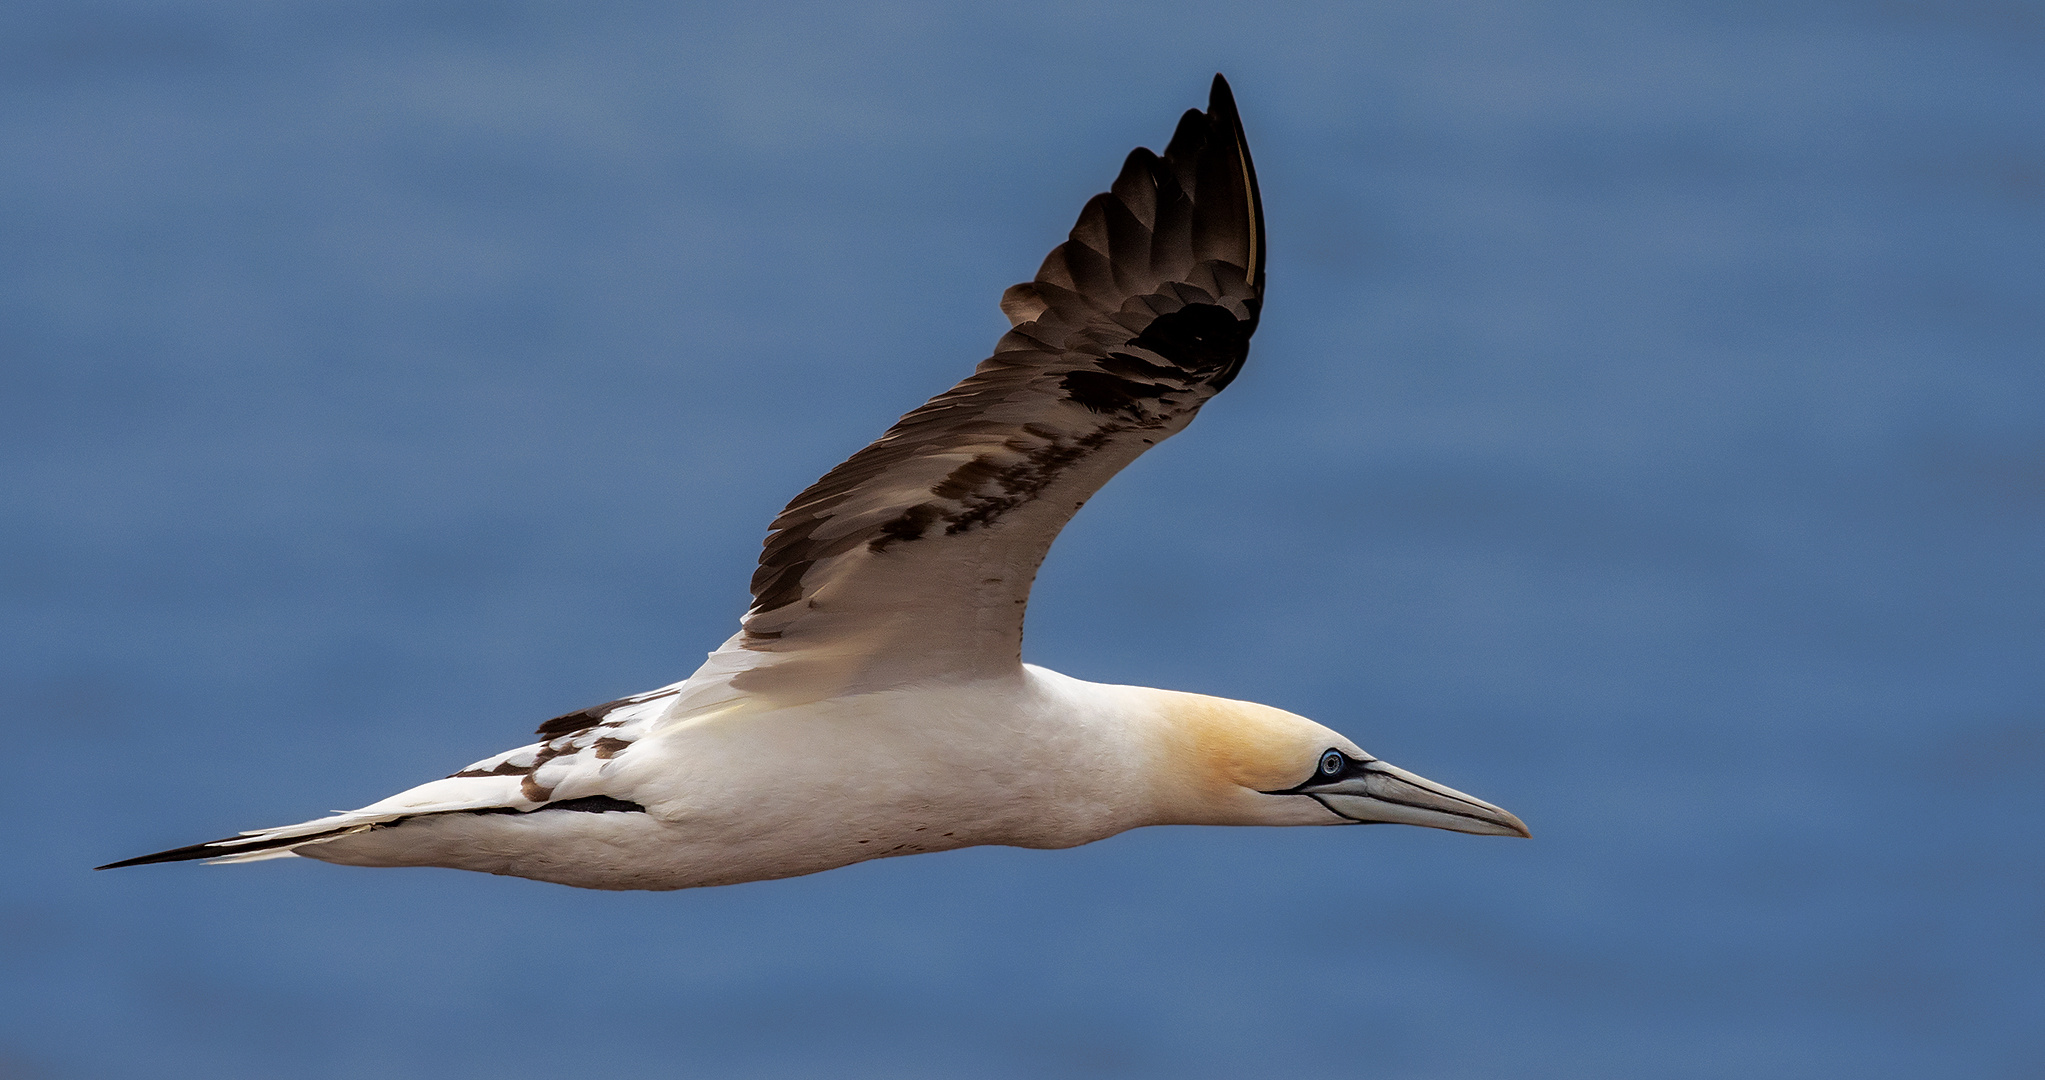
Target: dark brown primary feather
[[914, 557]]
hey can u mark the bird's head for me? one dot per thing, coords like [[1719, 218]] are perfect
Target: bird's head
[[1239, 763]]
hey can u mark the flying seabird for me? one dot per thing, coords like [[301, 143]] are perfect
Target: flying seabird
[[874, 701]]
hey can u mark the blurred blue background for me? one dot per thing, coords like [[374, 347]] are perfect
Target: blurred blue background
[[1646, 432]]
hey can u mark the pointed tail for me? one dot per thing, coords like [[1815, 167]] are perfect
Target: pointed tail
[[236, 849]]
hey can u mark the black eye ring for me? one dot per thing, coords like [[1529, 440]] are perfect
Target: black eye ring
[[1332, 762]]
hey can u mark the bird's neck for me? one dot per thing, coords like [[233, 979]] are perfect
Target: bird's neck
[[1186, 759]]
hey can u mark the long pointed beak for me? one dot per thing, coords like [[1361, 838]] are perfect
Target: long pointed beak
[[1374, 791]]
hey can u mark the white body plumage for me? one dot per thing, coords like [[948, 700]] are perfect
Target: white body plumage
[[738, 792]]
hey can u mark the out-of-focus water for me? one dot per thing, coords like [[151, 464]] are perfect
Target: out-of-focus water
[[1647, 432]]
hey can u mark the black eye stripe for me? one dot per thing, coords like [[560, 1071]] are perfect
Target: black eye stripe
[[1332, 767]]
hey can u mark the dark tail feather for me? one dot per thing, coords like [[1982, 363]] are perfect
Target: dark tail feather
[[216, 850], [242, 845]]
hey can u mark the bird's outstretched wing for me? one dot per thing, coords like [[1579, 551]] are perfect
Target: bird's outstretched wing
[[913, 559]]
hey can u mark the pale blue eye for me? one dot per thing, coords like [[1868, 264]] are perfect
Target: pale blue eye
[[1332, 762]]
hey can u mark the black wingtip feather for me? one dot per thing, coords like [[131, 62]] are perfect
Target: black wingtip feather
[[1221, 101], [1183, 151], [1221, 106]]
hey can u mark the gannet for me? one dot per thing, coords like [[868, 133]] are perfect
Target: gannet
[[874, 701]]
